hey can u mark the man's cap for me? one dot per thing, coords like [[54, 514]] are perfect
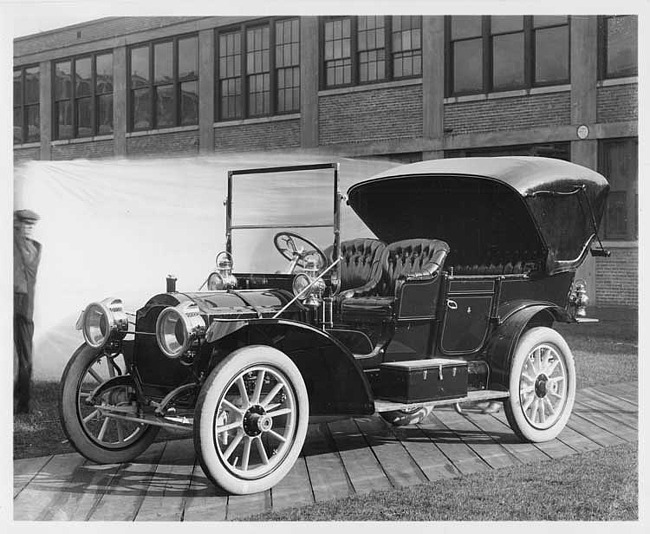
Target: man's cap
[[26, 215]]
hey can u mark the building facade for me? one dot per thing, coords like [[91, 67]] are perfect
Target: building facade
[[405, 88]]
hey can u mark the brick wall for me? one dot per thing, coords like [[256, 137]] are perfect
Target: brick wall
[[89, 150], [258, 136], [618, 103], [26, 154], [514, 113], [93, 31], [617, 281], [370, 115], [162, 144]]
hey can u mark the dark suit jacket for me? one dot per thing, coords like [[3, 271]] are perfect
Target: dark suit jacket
[[25, 269]]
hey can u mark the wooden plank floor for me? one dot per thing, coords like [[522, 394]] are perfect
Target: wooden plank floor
[[341, 458]]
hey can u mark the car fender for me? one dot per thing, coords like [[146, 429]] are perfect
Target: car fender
[[514, 319], [335, 382]]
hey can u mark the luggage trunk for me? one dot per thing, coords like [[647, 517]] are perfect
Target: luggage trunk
[[422, 380]]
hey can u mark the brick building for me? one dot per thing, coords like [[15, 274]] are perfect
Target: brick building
[[401, 87]]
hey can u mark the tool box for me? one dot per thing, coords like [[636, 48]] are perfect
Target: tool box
[[422, 380]]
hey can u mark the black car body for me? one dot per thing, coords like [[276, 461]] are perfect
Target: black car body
[[452, 300]]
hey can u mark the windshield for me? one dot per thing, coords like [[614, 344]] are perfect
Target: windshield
[[264, 204]]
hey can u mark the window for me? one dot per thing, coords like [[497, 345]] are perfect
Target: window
[[164, 90], [545, 150], [357, 50], [287, 62], [258, 69], [407, 46], [619, 164], [551, 46], [83, 96], [27, 124], [371, 49], [618, 46], [338, 59], [507, 52], [501, 53], [467, 53]]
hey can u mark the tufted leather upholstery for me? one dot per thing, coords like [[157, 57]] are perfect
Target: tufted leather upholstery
[[411, 259], [360, 266], [508, 262]]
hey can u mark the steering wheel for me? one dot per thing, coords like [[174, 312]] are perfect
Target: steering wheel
[[296, 248]]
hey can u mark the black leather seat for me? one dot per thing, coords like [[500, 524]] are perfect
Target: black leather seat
[[360, 266], [508, 262], [408, 260]]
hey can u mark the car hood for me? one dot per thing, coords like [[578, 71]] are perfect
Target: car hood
[[237, 304]]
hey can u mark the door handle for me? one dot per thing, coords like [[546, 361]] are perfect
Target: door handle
[[452, 304]]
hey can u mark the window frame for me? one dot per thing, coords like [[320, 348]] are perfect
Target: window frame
[[73, 98], [602, 49], [244, 95], [631, 189], [23, 105], [152, 85], [530, 57], [389, 53]]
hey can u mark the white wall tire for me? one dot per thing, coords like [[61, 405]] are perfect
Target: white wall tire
[[542, 385], [100, 438], [251, 420]]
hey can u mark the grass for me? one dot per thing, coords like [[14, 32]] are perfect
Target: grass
[[593, 486], [604, 352]]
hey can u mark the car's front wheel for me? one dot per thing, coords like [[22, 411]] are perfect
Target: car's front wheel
[[251, 420], [89, 428], [542, 385]]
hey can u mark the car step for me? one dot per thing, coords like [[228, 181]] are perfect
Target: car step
[[472, 396]]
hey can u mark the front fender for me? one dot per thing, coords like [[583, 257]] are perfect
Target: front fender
[[514, 318], [335, 382]]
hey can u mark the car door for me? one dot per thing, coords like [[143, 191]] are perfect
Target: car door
[[466, 315]]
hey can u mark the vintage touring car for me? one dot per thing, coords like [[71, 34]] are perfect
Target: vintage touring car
[[452, 300]]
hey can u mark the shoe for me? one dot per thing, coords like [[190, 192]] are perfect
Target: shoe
[[493, 407]]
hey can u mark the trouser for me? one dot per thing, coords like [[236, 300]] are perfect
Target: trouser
[[23, 334]]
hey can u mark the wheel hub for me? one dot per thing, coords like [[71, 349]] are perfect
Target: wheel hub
[[541, 386], [256, 421]]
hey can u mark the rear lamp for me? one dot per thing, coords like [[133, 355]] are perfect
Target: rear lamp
[[177, 327], [103, 321], [578, 297]]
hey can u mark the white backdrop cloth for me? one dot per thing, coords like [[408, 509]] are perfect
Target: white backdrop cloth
[[119, 227]]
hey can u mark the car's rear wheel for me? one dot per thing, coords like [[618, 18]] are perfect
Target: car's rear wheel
[[251, 420], [542, 385], [95, 434], [411, 416]]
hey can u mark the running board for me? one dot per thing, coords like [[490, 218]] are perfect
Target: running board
[[472, 396]]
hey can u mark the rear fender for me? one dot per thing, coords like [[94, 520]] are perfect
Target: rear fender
[[514, 320], [335, 382]]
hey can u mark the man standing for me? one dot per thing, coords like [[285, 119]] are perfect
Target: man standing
[[27, 255]]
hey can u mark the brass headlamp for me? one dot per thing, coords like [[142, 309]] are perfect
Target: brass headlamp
[[102, 322], [222, 278], [307, 286]]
